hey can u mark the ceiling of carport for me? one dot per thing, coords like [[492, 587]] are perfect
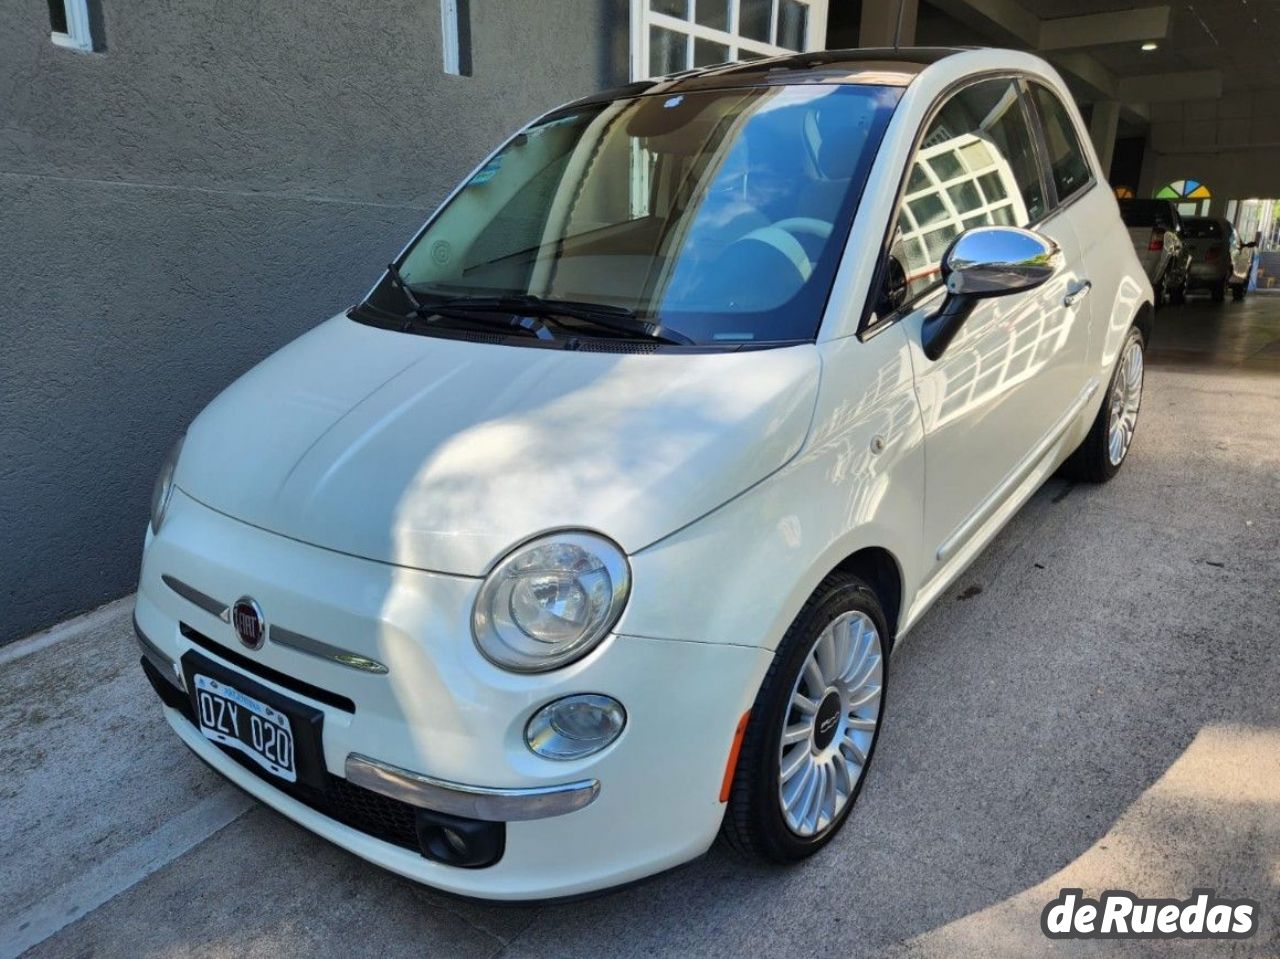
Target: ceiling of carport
[[1241, 38]]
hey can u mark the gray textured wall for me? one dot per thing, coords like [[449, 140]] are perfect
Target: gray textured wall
[[224, 176]]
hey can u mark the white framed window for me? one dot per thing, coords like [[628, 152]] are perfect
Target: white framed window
[[668, 36], [70, 23]]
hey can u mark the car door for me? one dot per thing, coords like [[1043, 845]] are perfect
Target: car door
[[1013, 371]]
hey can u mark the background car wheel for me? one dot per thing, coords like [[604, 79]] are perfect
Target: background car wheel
[[1178, 291], [1103, 451], [813, 727], [1219, 291], [1160, 289]]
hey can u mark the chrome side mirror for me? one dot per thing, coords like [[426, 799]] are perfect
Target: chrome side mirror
[[984, 262]]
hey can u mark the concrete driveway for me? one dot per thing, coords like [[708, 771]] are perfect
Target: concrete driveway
[[1096, 704]]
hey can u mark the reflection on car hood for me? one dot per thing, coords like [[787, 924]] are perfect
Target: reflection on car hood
[[442, 454]]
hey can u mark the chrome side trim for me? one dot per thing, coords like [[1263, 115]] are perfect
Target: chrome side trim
[[193, 595], [473, 802], [1020, 472], [314, 647], [163, 664]]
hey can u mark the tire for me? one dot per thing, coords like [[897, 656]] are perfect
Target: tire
[[1218, 291], [1095, 460], [758, 821]]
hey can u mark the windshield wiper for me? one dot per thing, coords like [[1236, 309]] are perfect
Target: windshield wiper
[[615, 319], [529, 326], [398, 281]]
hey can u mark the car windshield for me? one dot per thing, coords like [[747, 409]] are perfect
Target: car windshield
[[720, 215], [1200, 229]]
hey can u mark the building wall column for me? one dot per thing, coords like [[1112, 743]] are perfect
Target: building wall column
[[1102, 131], [880, 18]]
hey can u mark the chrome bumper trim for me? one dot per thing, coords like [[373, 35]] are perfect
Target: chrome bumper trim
[[192, 595], [473, 802], [335, 654]]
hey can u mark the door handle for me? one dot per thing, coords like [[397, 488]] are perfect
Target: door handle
[[1077, 294]]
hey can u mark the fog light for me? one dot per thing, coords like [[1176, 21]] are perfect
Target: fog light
[[575, 726]]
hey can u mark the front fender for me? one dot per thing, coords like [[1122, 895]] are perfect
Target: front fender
[[741, 573]]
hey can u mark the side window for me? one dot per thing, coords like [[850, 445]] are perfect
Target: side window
[[975, 167], [1066, 158]]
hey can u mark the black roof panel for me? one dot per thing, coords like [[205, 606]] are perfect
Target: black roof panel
[[883, 66]]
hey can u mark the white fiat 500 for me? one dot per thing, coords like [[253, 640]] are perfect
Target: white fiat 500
[[587, 535]]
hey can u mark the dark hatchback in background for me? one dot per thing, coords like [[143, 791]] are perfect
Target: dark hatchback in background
[[1219, 260]]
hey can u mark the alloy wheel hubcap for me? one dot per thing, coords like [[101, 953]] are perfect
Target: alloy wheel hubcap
[[831, 723], [1126, 397]]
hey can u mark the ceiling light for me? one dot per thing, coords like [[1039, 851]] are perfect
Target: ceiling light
[[1150, 45]]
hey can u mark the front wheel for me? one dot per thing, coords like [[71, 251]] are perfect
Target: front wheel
[[1104, 449], [813, 727]]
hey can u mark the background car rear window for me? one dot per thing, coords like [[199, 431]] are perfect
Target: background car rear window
[[1066, 158], [1157, 213], [1196, 229], [975, 167]]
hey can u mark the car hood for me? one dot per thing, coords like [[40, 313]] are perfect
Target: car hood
[[442, 454]]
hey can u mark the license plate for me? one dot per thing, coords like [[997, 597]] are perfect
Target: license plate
[[228, 716]]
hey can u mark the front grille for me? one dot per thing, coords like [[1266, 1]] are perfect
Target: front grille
[[354, 806]]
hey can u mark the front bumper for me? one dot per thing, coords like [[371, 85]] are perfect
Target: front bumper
[[442, 728]]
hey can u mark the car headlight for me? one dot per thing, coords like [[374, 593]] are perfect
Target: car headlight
[[550, 601], [163, 490]]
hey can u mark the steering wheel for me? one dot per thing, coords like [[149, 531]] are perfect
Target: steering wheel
[[784, 243], [805, 226]]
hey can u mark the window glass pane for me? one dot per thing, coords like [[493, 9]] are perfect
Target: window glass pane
[[965, 196], [947, 165], [745, 55], [1002, 216], [919, 180], [994, 189], [1066, 159], [754, 17], [706, 52], [713, 13], [58, 16], [672, 8], [668, 51], [928, 209], [979, 147], [793, 23], [938, 241]]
